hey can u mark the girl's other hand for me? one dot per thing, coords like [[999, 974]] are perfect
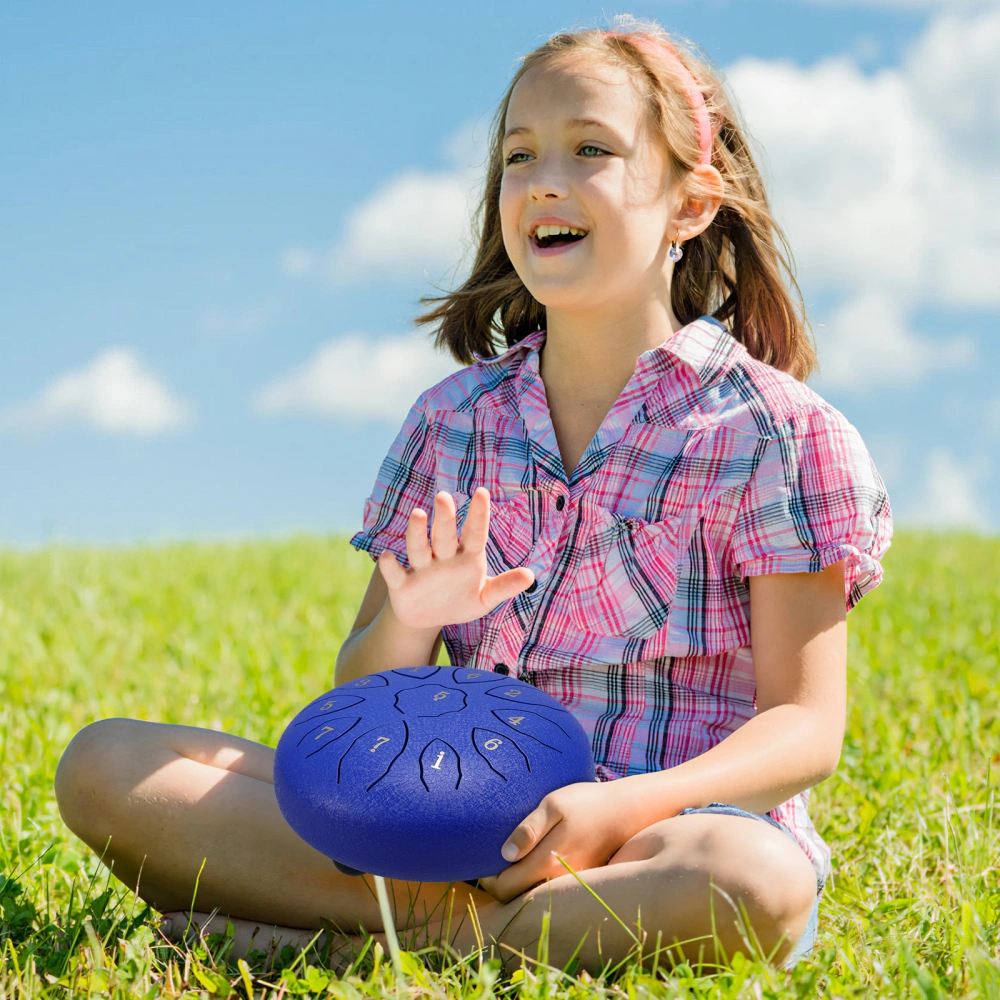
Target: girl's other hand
[[446, 583], [585, 823]]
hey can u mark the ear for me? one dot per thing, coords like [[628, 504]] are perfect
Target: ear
[[701, 197]]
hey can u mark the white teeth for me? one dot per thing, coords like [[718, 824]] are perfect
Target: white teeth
[[543, 232]]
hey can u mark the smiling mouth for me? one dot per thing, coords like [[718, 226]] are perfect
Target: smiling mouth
[[556, 236]]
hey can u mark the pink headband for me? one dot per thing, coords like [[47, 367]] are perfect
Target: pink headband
[[663, 49]]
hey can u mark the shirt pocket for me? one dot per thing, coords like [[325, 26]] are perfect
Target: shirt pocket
[[628, 576], [512, 531]]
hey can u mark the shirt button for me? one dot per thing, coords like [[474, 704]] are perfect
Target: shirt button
[[560, 502], [501, 668]]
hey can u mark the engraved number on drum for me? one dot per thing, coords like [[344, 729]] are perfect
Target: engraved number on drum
[[492, 744], [515, 719], [378, 743], [437, 764], [327, 705], [440, 695], [512, 693], [324, 731]]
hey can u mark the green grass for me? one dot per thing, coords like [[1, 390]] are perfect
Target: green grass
[[239, 637]]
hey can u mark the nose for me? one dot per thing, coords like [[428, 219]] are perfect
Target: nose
[[548, 180]]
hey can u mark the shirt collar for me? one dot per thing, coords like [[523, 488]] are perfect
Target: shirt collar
[[704, 345], [531, 341]]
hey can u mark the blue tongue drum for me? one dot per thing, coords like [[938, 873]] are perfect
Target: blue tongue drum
[[422, 773]]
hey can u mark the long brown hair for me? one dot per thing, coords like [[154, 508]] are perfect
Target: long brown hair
[[738, 270]]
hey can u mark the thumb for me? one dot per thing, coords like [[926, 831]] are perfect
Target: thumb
[[392, 571], [530, 831], [498, 589]]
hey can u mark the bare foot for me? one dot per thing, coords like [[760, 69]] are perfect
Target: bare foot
[[251, 935]]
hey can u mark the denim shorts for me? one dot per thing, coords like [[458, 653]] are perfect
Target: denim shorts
[[808, 939]]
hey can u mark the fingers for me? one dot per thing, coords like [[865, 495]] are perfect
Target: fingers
[[476, 528], [531, 847], [531, 830], [539, 866], [444, 536], [498, 589], [418, 548], [488, 883]]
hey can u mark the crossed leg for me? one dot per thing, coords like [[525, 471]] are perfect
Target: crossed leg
[[171, 806]]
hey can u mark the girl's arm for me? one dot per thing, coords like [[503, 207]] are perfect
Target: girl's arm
[[799, 627], [380, 641], [798, 624]]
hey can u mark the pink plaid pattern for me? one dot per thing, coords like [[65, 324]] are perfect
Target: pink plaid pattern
[[711, 467]]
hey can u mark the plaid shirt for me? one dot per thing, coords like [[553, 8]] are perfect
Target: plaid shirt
[[711, 467]]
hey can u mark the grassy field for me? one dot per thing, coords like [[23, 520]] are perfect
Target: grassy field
[[239, 637]]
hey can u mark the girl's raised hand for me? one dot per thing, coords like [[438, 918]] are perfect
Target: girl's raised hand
[[446, 583]]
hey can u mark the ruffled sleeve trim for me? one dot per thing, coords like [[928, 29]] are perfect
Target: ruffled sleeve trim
[[375, 543], [862, 570]]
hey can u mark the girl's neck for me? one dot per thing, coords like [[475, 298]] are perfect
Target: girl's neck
[[586, 363], [599, 350]]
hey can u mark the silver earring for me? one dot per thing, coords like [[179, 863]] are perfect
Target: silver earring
[[675, 252]]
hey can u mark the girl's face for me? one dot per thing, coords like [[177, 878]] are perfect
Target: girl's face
[[578, 155]]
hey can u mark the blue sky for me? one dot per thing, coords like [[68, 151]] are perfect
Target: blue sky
[[219, 218]]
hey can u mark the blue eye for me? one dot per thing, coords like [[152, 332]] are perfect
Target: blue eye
[[596, 150]]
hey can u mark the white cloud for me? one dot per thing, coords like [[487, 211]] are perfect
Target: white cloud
[[114, 394], [954, 72], [889, 449], [868, 343], [951, 495], [359, 377], [418, 222], [884, 181]]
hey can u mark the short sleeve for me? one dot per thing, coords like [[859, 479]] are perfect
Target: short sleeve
[[814, 499], [405, 481]]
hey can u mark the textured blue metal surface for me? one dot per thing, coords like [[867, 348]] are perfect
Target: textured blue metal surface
[[422, 773]]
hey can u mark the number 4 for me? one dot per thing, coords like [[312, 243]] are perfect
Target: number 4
[[515, 719]]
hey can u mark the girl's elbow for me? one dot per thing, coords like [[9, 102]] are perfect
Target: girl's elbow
[[832, 758]]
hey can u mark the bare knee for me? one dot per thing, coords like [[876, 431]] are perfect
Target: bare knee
[[729, 867], [90, 776], [764, 873]]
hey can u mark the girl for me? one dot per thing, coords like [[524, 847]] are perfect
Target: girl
[[638, 506]]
